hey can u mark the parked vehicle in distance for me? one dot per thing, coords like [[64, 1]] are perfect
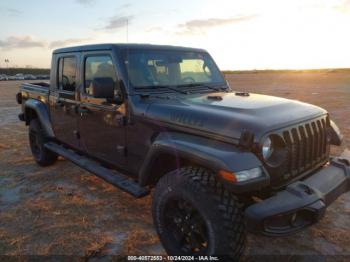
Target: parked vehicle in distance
[[19, 77], [12, 78], [29, 77], [222, 162], [43, 77], [3, 77], [40, 77]]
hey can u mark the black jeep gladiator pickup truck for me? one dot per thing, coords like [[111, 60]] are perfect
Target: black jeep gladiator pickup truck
[[222, 162]]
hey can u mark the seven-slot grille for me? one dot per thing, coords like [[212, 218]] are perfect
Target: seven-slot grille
[[307, 146]]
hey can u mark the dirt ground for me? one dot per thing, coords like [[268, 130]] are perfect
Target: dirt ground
[[63, 210]]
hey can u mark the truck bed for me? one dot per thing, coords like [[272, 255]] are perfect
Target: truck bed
[[35, 90]]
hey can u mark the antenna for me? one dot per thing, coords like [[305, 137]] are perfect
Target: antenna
[[127, 51], [127, 30]]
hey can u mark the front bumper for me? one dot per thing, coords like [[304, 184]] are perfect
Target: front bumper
[[301, 203]]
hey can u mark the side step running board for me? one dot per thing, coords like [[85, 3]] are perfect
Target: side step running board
[[110, 176]]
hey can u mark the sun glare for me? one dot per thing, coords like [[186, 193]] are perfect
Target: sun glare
[[293, 37]]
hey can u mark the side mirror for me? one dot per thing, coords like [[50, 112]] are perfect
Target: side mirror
[[103, 87]]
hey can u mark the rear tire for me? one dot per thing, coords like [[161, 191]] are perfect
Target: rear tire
[[37, 139], [195, 215]]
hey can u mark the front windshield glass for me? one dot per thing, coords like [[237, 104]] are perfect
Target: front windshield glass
[[158, 68]]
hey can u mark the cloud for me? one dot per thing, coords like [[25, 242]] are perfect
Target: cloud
[[86, 2], [117, 22], [343, 6], [200, 25], [22, 42], [124, 6], [27, 41], [212, 22], [67, 42], [155, 29], [13, 11]]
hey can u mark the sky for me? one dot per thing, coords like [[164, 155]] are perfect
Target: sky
[[239, 34]]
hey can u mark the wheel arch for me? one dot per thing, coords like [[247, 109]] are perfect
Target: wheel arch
[[170, 151], [36, 109]]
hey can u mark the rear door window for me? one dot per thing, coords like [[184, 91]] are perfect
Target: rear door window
[[67, 70]]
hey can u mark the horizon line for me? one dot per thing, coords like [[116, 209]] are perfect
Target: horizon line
[[222, 70]]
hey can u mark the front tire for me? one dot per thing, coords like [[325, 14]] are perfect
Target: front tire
[[37, 139], [194, 215]]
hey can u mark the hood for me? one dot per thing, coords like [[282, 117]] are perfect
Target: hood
[[228, 114]]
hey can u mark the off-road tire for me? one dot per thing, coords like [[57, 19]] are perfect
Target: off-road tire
[[218, 208], [37, 139]]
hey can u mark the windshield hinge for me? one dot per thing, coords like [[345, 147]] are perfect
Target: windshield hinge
[[242, 94]]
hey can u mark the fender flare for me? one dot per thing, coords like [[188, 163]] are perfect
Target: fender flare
[[211, 154], [42, 112]]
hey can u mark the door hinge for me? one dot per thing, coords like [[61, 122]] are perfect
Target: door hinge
[[125, 120], [76, 134], [121, 121]]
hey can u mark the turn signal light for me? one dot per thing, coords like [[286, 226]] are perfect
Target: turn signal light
[[229, 176], [241, 176]]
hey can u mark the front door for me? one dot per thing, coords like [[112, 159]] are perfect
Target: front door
[[101, 122], [63, 101]]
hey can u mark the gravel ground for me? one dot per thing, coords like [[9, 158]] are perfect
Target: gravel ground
[[63, 210]]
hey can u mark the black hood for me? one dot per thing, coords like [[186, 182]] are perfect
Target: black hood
[[228, 114]]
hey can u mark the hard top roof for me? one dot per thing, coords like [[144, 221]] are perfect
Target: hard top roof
[[98, 47]]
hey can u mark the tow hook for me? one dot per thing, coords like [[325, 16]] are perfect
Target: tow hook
[[293, 220]]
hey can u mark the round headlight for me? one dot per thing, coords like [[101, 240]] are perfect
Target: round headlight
[[274, 150], [267, 148]]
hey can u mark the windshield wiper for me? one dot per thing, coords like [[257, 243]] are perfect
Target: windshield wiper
[[173, 88], [219, 89], [178, 90]]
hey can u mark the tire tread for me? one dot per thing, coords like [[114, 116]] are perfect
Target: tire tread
[[231, 215]]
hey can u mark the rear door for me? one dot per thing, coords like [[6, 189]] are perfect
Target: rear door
[[101, 122], [64, 99]]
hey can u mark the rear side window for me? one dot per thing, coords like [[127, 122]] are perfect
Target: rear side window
[[67, 68], [96, 67]]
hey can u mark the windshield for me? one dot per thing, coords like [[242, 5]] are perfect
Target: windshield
[[158, 68]]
